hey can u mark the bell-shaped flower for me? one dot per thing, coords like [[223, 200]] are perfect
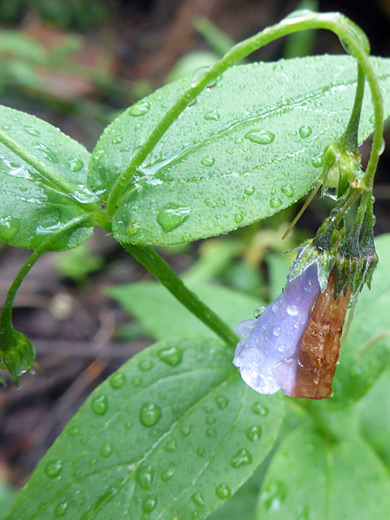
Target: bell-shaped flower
[[268, 353]]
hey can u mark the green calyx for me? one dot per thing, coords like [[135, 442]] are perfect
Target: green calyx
[[17, 354], [341, 168]]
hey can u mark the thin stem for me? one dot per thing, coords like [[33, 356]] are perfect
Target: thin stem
[[159, 268], [350, 137], [334, 22]]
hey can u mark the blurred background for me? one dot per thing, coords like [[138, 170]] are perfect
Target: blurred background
[[77, 64]]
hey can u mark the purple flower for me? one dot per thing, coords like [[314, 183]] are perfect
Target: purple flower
[[267, 355]]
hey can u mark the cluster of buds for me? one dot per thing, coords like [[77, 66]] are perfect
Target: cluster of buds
[[294, 344]]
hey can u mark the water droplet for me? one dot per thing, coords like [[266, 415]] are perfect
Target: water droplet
[[275, 202], [172, 356], [9, 226], [288, 190], [212, 115], [170, 446], [128, 425], [117, 139], [132, 229], [117, 380], [106, 450], [211, 432], [208, 161], [201, 451], [197, 74], [238, 218], [222, 401], [47, 152], [99, 405], [241, 458], [276, 331], [273, 494], [185, 430], [150, 414], [168, 474], [145, 476], [30, 130], [372, 119], [305, 131], [259, 409], [53, 468], [249, 190], [292, 310], [223, 491], [73, 432], [317, 161], [75, 164], [145, 365], [259, 311], [172, 215], [141, 108], [149, 503], [60, 510], [253, 433], [210, 419], [6, 127], [136, 381], [260, 136], [92, 462], [198, 499], [98, 155], [211, 203]]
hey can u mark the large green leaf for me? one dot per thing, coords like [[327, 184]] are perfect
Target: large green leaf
[[172, 434], [32, 205], [250, 146], [162, 316], [313, 477], [366, 352]]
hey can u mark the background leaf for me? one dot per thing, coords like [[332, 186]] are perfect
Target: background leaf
[[162, 316], [173, 433], [312, 476], [31, 207], [248, 147]]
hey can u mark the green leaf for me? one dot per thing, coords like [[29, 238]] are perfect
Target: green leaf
[[248, 147], [162, 316], [311, 477], [366, 352], [43, 182], [7, 497], [173, 433], [374, 412]]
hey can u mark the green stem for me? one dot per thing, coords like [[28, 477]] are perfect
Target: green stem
[[350, 137], [159, 268], [335, 22]]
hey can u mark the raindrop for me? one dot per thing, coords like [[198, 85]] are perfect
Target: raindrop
[[8, 228], [305, 131], [150, 414], [185, 430], [241, 458], [259, 311], [275, 202], [208, 161], [170, 446], [249, 190], [222, 402], [288, 190], [117, 380], [260, 136], [238, 218], [172, 215], [253, 433], [168, 474], [201, 451], [98, 155], [132, 229], [46, 152], [53, 468], [259, 409], [372, 119], [211, 432], [145, 477], [99, 405], [210, 419], [211, 203], [60, 510], [106, 450], [73, 432], [75, 164], [30, 130], [128, 425], [292, 310], [117, 139], [212, 115], [197, 74], [6, 127], [145, 365], [149, 503], [317, 161], [273, 495], [276, 331], [136, 381], [172, 356], [223, 491], [139, 109], [198, 499]]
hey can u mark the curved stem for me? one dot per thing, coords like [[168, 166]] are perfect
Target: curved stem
[[335, 22], [350, 137], [159, 268]]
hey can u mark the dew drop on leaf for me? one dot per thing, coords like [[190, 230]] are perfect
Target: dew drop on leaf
[[238, 218], [53, 468], [75, 164], [185, 430], [60, 510], [317, 161], [6, 127], [136, 381], [128, 425], [273, 495], [249, 190], [132, 229], [168, 474], [46, 152], [172, 356], [117, 139], [140, 109], [170, 446], [288, 190], [208, 161], [210, 419], [145, 365], [211, 203], [253, 433], [211, 432], [117, 380], [9, 226], [241, 458], [145, 477], [149, 503], [223, 491], [198, 499], [106, 450], [260, 136], [259, 409], [30, 130], [275, 202], [150, 414], [222, 401], [99, 405], [171, 216], [305, 131], [212, 115]]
